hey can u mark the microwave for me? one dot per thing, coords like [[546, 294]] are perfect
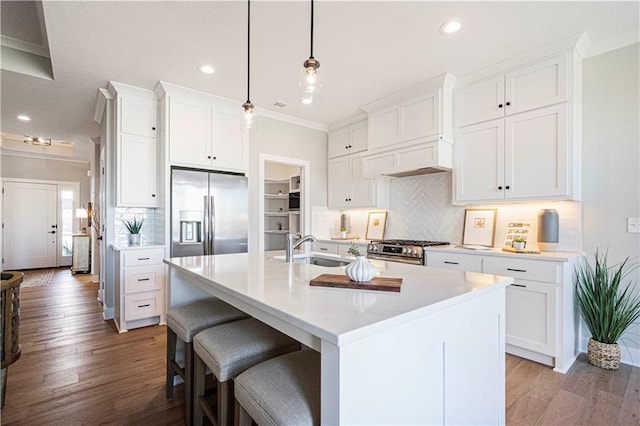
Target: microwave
[[294, 201]]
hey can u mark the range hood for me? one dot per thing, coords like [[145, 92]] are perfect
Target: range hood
[[413, 160]]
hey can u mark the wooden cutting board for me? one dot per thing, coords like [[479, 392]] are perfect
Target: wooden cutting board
[[343, 281]]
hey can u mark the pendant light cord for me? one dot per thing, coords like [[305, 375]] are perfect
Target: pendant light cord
[[311, 57], [248, 48]]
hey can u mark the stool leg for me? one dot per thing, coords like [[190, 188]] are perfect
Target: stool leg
[[199, 380], [242, 417], [225, 403], [172, 339], [188, 382]]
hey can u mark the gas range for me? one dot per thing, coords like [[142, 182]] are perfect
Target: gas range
[[404, 251]]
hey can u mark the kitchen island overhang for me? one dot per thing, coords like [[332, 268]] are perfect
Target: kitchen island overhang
[[432, 353]]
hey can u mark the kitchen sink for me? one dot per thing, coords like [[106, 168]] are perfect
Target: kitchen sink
[[316, 260]]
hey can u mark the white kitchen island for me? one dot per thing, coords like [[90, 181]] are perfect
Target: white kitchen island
[[434, 353]]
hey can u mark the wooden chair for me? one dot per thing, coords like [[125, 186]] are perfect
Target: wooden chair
[[10, 305]]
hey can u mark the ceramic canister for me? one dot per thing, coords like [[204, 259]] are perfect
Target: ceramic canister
[[548, 229]]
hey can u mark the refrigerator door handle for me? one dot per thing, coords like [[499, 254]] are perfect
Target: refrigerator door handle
[[212, 226], [205, 223]]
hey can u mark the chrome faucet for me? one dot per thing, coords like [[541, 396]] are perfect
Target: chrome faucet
[[291, 246]]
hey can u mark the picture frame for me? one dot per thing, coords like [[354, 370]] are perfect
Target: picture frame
[[376, 223], [479, 227]]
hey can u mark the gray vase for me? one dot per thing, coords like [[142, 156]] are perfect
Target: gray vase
[[548, 229], [134, 239]]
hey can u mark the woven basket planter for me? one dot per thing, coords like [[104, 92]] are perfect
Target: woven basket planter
[[604, 355]]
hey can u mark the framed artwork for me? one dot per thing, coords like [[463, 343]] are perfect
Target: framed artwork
[[479, 227], [375, 225]]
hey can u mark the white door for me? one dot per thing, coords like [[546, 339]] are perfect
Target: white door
[[30, 227]]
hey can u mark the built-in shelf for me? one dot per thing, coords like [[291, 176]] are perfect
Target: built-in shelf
[[279, 214], [283, 196], [279, 196]]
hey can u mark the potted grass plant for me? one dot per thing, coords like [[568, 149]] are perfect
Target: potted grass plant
[[133, 226], [607, 308]]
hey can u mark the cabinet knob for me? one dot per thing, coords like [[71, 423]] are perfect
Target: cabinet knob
[[500, 188], [153, 128], [350, 146], [500, 106], [346, 147], [153, 195], [506, 187], [214, 157], [508, 103], [209, 157]]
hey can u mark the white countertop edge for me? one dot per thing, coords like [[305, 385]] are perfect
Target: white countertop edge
[[556, 256], [141, 246], [350, 336]]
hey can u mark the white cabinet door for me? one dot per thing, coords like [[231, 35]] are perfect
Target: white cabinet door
[[338, 173], [189, 132], [536, 154], [384, 128], [479, 102], [362, 188], [228, 150], [348, 140], [531, 316], [137, 177], [138, 115], [480, 162], [541, 84]]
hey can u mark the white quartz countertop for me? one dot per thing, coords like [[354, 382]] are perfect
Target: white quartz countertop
[[558, 256], [340, 316]]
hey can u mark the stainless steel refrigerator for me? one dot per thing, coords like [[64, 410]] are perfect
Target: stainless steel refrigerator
[[209, 213]]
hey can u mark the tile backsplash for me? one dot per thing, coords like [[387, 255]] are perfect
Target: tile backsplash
[[420, 208], [147, 233]]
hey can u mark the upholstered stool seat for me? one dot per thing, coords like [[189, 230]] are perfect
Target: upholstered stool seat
[[184, 323], [228, 350], [282, 391]]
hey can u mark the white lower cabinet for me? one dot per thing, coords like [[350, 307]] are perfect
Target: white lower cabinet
[[540, 317], [139, 298]]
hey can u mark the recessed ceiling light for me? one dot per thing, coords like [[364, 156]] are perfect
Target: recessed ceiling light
[[207, 69], [23, 117], [450, 27]]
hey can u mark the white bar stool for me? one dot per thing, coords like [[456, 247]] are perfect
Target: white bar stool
[[228, 350], [183, 323], [282, 391]]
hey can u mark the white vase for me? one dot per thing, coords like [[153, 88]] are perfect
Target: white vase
[[360, 270], [518, 245]]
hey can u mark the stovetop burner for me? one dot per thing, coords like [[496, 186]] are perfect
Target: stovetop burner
[[422, 243]]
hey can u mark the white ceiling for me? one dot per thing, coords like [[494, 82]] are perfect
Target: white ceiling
[[367, 50]]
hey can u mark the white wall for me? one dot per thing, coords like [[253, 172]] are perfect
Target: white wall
[[611, 164], [276, 137]]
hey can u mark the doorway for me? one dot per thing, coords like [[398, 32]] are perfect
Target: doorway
[[38, 223], [284, 185]]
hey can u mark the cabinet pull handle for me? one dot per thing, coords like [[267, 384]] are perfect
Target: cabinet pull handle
[[143, 258], [519, 285], [323, 248], [451, 263], [144, 306], [516, 270], [500, 106], [143, 279]]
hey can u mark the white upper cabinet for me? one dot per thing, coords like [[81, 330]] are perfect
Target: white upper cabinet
[[203, 131], [348, 188], [136, 146], [417, 114], [138, 116], [348, 140], [518, 129], [541, 84]]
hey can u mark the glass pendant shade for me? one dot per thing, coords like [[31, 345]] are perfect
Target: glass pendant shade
[[310, 83], [248, 115]]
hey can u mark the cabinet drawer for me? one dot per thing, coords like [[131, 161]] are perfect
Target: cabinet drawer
[[329, 248], [522, 268], [143, 257], [461, 262], [143, 278], [143, 305]]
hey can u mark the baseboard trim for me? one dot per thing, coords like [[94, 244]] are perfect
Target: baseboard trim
[[533, 356]]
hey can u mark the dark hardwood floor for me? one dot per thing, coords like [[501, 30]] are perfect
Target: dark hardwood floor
[[76, 369]]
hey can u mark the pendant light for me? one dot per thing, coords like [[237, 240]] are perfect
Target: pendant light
[[247, 107], [310, 86]]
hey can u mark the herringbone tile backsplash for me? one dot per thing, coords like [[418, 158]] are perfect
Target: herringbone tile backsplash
[[420, 208]]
